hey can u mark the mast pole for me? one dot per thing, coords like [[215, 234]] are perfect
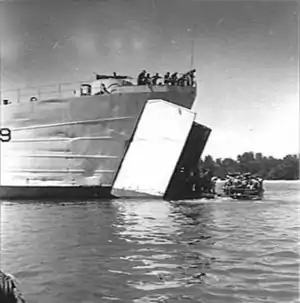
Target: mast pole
[[192, 54], [192, 46]]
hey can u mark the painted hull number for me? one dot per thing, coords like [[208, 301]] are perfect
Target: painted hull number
[[5, 134]]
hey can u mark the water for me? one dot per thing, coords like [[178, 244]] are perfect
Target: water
[[155, 251]]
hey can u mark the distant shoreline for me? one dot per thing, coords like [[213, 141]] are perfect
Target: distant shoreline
[[266, 167], [269, 180], [283, 180]]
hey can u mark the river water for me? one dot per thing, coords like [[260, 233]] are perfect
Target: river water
[[155, 251]]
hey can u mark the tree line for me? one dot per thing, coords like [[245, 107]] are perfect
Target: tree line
[[266, 167]]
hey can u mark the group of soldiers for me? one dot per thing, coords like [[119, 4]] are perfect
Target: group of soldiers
[[206, 182], [185, 79], [201, 181], [243, 181]]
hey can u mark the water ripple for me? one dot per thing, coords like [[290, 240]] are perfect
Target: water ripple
[[155, 251]]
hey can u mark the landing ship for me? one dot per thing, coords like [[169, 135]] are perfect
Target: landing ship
[[111, 137]]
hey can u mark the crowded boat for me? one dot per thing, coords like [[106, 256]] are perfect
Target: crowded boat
[[243, 186]]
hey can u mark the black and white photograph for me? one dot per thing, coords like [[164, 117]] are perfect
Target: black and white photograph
[[149, 151]]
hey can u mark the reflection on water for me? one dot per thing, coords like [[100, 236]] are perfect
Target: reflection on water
[[137, 218], [163, 258], [155, 251]]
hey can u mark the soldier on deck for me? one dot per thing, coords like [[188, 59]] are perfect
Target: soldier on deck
[[192, 76], [167, 78], [174, 78], [141, 78], [148, 79], [155, 78], [181, 80], [185, 80]]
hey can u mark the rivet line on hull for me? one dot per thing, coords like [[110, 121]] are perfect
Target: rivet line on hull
[[74, 171], [59, 139], [61, 156], [71, 123]]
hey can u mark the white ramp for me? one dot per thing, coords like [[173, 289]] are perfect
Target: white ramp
[[153, 154]]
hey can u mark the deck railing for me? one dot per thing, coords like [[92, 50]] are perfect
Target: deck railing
[[47, 91]]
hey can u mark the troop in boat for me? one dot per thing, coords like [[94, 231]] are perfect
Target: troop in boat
[[239, 186]]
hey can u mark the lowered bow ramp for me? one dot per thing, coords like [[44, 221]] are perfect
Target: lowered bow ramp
[[152, 156]]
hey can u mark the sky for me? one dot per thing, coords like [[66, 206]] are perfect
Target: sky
[[246, 54]]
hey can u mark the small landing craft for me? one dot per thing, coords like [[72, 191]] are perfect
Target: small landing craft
[[243, 186]]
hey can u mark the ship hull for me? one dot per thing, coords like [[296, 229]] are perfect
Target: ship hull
[[73, 148], [75, 141], [64, 193]]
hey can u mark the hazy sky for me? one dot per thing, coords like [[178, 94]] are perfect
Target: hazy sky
[[246, 56]]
